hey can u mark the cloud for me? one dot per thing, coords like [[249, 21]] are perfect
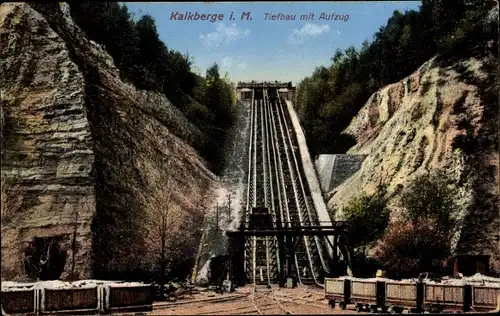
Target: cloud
[[308, 30], [223, 34], [242, 65], [226, 62], [232, 63]]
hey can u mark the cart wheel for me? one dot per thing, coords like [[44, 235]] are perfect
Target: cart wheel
[[331, 303], [393, 310], [373, 309], [342, 305], [359, 308]]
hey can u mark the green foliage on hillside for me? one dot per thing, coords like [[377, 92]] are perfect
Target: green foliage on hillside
[[421, 240], [329, 99], [366, 218], [144, 60], [432, 197], [408, 249]]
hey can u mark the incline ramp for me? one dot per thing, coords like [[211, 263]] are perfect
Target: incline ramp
[[311, 176], [309, 171]]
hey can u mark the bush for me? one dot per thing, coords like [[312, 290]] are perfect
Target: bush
[[366, 219], [422, 240], [409, 248], [432, 197]]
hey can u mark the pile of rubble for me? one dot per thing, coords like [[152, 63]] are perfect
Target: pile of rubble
[[174, 291]]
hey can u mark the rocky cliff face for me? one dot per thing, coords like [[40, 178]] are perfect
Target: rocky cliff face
[[410, 127], [92, 161]]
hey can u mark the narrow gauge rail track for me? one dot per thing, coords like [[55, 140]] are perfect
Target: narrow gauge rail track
[[265, 301], [276, 181]]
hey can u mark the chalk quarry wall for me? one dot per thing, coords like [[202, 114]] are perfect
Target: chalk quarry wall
[[84, 151], [409, 127]]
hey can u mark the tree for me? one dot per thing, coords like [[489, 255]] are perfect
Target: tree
[[432, 197], [366, 218], [444, 27], [164, 219], [409, 248], [219, 98], [422, 240], [213, 74]]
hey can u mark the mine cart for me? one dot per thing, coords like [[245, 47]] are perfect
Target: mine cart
[[74, 300], [367, 293], [138, 298], [20, 301], [260, 219], [337, 290], [449, 297], [485, 298], [403, 295]]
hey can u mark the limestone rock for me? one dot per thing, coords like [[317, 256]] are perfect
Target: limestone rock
[[88, 152], [408, 128]]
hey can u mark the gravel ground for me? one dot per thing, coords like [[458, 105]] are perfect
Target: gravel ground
[[301, 300]]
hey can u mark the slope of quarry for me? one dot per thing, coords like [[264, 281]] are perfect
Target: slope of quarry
[[228, 197], [85, 155], [440, 117]]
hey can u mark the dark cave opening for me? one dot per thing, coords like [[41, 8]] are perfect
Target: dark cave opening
[[44, 259]]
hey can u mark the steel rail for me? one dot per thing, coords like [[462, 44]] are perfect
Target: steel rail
[[281, 164], [283, 199], [270, 145], [249, 179], [302, 190], [270, 175], [251, 189], [265, 182], [254, 173], [278, 169], [295, 190]]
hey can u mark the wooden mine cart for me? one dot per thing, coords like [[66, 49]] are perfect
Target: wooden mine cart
[[440, 297], [337, 290], [367, 294], [485, 298], [403, 295], [260, 219]]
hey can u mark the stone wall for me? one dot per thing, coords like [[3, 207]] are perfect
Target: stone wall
[[333, 170]]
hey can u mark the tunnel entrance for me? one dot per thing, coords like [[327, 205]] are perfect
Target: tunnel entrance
[[219, 269], [258, 94], [273, 94], [44, 259]]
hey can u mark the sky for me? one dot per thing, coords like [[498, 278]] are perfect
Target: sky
[[256, 47]]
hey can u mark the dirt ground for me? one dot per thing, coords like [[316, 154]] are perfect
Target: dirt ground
[[275, 301]]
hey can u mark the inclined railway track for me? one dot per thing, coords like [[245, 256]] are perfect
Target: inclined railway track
[[277, 182]]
